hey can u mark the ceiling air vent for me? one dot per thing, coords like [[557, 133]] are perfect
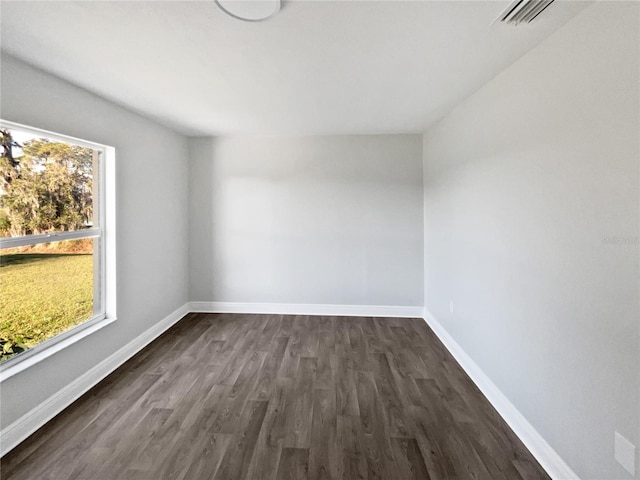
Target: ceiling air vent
[[523, 11]]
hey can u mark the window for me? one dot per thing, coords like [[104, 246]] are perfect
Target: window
[[56, 240]]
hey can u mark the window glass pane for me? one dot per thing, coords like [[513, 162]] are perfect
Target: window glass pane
[[45, 185], [46, 289]]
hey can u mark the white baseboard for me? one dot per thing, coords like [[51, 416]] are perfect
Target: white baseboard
[[539, 448], [22, 428], [308, 309]]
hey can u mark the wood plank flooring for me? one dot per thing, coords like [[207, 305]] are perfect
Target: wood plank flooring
[[228, 396]]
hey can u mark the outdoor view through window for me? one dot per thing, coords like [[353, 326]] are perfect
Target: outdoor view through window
[[51, 237]]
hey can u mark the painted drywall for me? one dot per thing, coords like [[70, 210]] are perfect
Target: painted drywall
[[308, 220], [152, 226], [531, 230], [322, 67]]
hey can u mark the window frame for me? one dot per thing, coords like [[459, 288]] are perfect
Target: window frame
[[105, 313]]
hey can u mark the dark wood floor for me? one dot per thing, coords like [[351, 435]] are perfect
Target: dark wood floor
[[280, 397]]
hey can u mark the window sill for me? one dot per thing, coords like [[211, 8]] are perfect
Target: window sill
[[35, 355]]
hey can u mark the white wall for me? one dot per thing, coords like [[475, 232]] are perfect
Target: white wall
[[311, 220], [526, 182], [152, 227]]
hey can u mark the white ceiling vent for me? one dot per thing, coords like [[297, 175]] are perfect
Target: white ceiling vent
[[523, 11]]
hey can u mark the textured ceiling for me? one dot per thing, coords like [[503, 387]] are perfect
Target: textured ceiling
[[329, 67]]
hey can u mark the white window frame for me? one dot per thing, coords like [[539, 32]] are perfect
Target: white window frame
[[105, 313]]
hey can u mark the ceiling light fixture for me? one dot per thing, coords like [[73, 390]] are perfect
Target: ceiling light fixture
[[250, 10]]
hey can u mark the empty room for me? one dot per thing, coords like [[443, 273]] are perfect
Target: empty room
[[291, 239]]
